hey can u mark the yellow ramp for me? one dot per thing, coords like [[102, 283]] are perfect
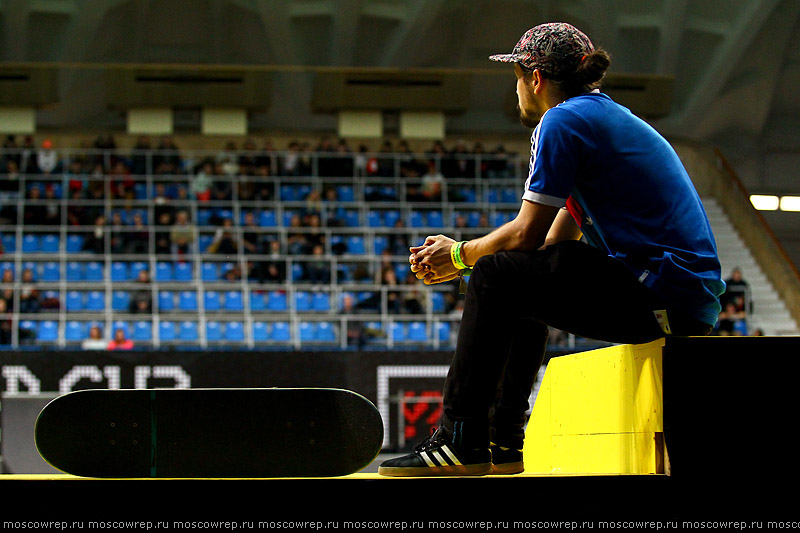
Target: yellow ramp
[[599, 412]]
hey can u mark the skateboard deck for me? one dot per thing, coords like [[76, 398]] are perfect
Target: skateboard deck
[[179, 433]]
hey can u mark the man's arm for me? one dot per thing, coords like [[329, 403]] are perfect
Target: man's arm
[[564, 228], [527, 232]]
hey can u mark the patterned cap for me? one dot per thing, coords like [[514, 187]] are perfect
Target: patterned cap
[[555, 48]]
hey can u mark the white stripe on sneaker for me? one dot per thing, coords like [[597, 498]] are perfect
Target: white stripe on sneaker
[[438, 458], [427, 459], [451, 455]]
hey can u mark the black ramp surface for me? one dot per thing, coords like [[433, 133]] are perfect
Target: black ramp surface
[[210, 433]]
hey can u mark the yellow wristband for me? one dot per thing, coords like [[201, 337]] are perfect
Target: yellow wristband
[[455, 255]]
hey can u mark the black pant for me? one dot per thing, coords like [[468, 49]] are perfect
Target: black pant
[[513, 297]]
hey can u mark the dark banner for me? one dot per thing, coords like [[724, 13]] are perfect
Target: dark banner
[[405, 386]]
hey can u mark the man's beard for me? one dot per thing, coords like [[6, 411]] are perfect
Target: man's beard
[[528, 119]]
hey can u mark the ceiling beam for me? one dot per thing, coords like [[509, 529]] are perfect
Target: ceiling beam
[[718, 72], [345, 26], [411, 33], [673, 22]]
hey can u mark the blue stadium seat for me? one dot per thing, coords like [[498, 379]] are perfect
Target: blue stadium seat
[[140, 191], [119, 271], [166, 301], [188, 331], [75, 243], [187, 301], [211, 301], [9, 243], [234, 332], [210, 272], [93, 271], [398, 332], [416, 220], [183, 272], [510, 196], [390, 218], [401, 270], [281, 332], [213, 331], [50, 244], [258, 301], [277, 301], [379, 244], [355, 245], [204, 217], [417, 332], [302, 301], [95, 301], [166, 331], [374, 219], [47, 331], [443, 329], [51, 271], [267, 219], [297, 272], [321, 302], [120, 301], [466, 195], [288, 193], [351, 218], [307, 332], [325, 332], [435, 219], [260, 332], [74, 331], [345, 193], [74, 271], [30, 244], [234, 301], [74, 301], [163, 271], [142, 331]]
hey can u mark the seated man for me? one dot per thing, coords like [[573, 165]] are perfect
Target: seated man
[[647, 265]]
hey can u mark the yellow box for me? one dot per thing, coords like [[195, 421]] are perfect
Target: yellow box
[[599, 412]]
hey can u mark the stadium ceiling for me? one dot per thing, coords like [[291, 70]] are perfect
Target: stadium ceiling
[[736, 65]]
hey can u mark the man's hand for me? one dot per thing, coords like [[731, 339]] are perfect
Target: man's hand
[[431, 261]]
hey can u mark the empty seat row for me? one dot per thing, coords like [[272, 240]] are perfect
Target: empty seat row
[[187, 301], [231, 331]]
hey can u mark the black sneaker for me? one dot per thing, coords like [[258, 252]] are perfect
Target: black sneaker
[[438, 456], [506, 460]]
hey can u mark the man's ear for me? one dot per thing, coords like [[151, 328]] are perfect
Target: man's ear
[[537, 81]]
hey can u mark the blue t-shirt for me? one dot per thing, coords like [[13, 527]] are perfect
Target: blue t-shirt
[[631, 196]]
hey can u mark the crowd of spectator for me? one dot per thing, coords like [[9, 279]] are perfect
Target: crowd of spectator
[[76, 186]]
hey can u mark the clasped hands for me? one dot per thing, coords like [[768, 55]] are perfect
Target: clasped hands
[[431, 262]]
